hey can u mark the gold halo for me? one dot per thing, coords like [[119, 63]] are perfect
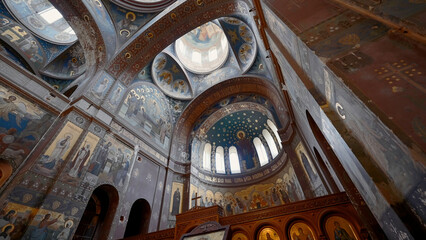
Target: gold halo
[[5, 226], [238, 134], [131, 14]]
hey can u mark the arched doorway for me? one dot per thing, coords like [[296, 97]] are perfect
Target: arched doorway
[[98, 215], [139, 216]]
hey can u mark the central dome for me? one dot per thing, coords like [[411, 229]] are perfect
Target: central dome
[[203, 49]]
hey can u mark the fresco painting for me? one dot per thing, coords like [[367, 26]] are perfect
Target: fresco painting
[[100, 89], [301, 231], [242, 41], [28, 14], [146, 108], [112, 161], [68, 65], [268, 234], [127, 22], [170, 77], [115, 96], [310, 170], [16, 217], [57, 152], [285, 190], [49, 224], [340, 229], [176, 198], [22, 124], [24, 43], [79, 162]]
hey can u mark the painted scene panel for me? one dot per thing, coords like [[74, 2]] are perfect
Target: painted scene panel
[[176, 202], [268, 234], [301, 231], [58, 150], [80, 160], [22, 124], [339, 228]]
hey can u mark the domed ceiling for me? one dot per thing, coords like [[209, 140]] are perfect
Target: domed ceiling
[[232, 128], [204, 49]]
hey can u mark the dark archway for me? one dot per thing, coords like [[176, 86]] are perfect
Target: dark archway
[[332, 185], [139, 217], [99, 213]]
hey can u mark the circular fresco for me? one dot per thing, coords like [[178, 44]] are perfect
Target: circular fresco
[[203, 49]]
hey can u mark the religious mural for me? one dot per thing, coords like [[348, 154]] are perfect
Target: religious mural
[[301, 231], [23, 42], [170, 77], [146, 108], [176, 199], [80, 160], [241, 39], [101, 87], [286, 189], [22, 124], [30, 13], [268, 233], [310, 170], [68, 65], [115, 96], [127, 22], [57, 152], [339, 228], [111, 161]]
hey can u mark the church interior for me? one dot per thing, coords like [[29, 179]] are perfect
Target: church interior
[[213, 119]]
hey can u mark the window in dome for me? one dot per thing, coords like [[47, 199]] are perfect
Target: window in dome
[[207, 156], [271, 143], [261, 151], [275, 130], [203, 49], [43, 19], [220, 161], [234, 160]]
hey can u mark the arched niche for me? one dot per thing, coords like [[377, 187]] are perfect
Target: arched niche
[[99, 214], [234, 86], [138, 222]]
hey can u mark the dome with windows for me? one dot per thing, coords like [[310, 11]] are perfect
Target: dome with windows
[[203, 49], [43, 19], [240, 136]]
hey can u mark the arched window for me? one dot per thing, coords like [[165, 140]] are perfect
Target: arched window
[[261, 151], [234, 160], [275, 130], [271, 143], [207, 156], [220, 161]]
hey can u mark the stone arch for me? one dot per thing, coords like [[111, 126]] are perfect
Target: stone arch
[[99, 214], [234, 86]]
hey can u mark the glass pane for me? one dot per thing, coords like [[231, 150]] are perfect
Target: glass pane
[[220, 162], [261, 151], [234, 160], [207, 157], [271, 143]]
